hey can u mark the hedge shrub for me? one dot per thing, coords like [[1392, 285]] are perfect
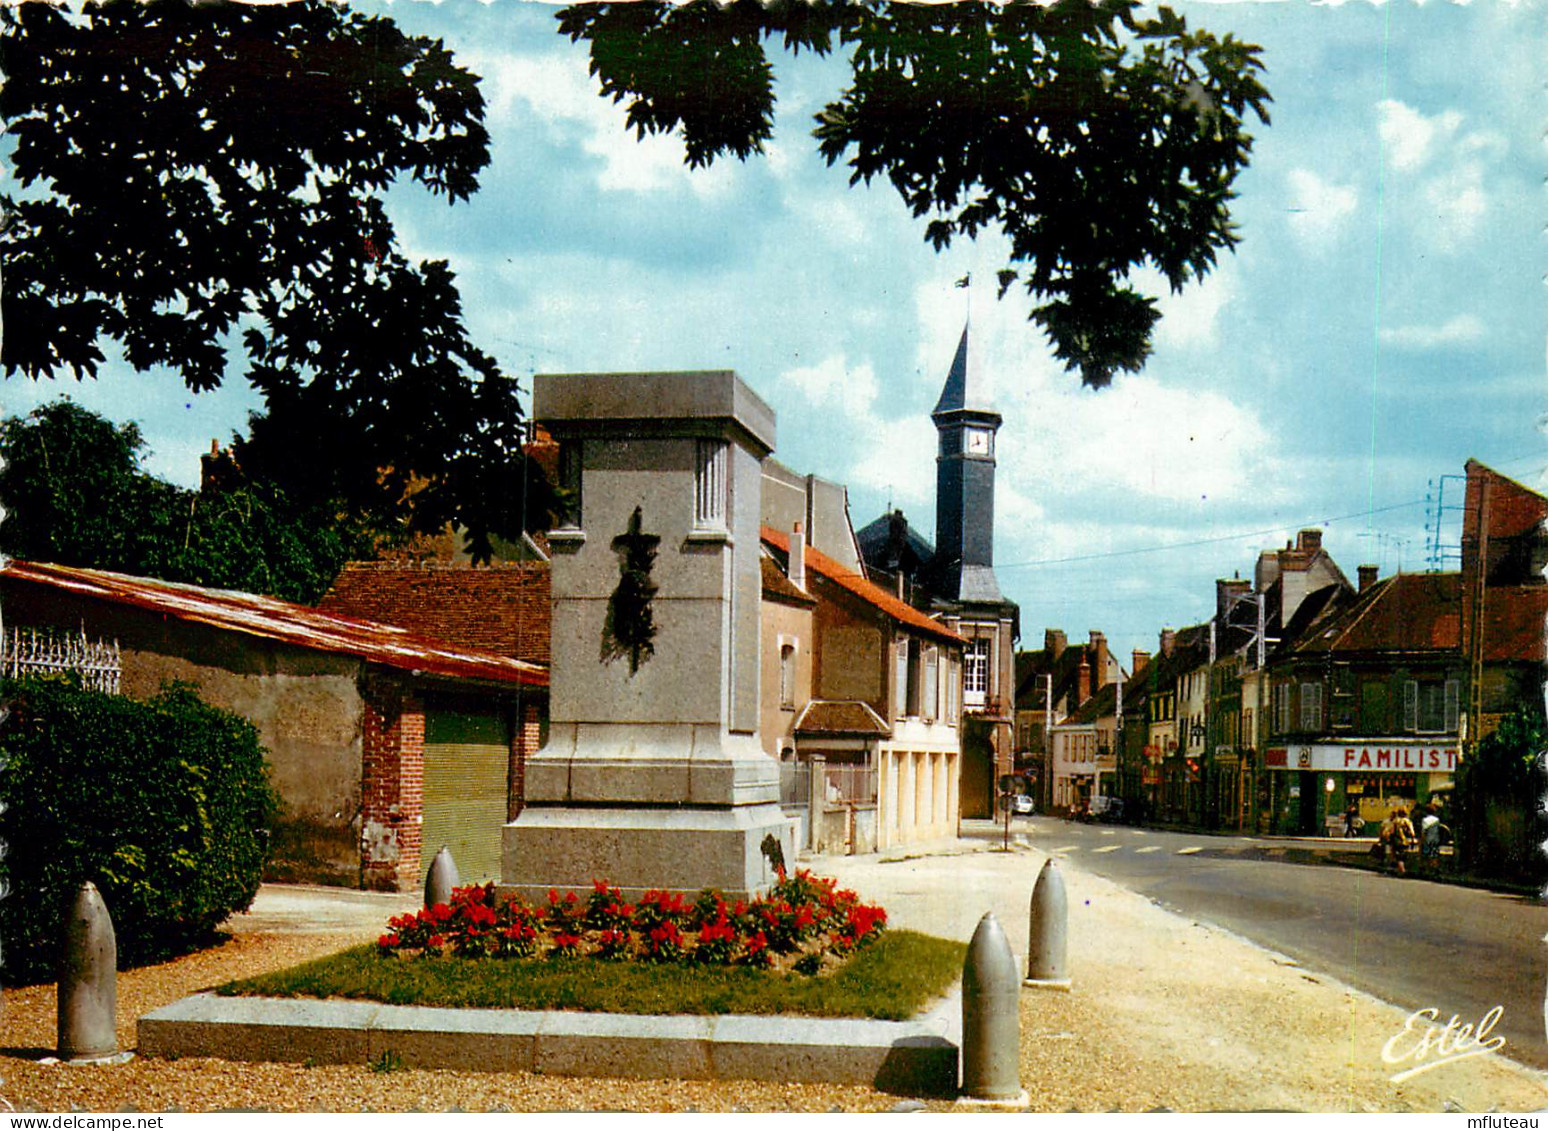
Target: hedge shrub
[[164, 804]]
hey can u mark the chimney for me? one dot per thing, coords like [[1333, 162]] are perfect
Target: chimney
[[1099, 660], [1137, 661], [1083, 686], [1168, 641], [796, 570], [1309, 540], [1054, 642], [1226, 591], [1368, 576]]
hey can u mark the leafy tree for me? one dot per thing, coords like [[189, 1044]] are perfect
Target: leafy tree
[[203, 179], [1096, 140], [1499, 791], [75, 494]]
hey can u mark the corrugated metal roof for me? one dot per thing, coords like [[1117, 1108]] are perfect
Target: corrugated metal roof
[[281, 620], [868, 591]]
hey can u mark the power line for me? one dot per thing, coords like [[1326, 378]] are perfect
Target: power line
[[1206, 541]]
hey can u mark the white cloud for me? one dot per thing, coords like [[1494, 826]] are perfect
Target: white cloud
[[1318, 209], [558, 91], [833, 383], [1407, 136], [1461, 329], [1450, 167], [1191, 317]]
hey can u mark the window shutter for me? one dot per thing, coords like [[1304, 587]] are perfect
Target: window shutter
[[1453, 704], [1410, 705], [900, 686]]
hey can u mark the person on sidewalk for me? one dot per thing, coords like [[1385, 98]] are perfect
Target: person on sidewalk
[[1430, 830], [1353, 825], [1404, 840]]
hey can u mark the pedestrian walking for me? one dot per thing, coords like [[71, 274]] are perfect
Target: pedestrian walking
[[1403, 842], [1431, 830], [1353, 825]]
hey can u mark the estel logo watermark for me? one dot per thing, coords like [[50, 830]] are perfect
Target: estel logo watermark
[[1432, 1045]]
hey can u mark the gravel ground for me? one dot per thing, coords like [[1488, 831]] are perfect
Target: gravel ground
[[1164, 1013]]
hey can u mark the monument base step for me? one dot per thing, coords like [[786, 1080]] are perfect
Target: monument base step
[[916, 1057]]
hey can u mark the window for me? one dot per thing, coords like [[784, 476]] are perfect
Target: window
[[787, 654], [1311, 706], [710, 485], [953, 689], [913, 706], [1281, 708], [932, 683], [1432, 707], [900, 681], [975, 681]]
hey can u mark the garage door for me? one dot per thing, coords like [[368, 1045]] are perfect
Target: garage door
[[466, 760]]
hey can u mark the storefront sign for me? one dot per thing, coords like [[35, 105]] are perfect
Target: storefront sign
[[1365, 757]]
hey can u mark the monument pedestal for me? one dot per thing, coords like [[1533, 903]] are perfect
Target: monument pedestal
[[653, 776], [675, 808]]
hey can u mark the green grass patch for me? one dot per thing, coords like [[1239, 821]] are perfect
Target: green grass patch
[[891, 979]]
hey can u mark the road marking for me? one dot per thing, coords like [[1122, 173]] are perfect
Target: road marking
[[1107, 848], [1189, 851], [1138, 832], [1148, 848], [1108, 832], [1067, 848]]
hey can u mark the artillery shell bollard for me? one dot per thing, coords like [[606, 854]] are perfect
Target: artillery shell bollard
[[991, 1021], [88, 981], [1047, 965], [441, 878]]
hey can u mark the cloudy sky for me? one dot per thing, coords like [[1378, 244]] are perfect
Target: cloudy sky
[[1381, 322]]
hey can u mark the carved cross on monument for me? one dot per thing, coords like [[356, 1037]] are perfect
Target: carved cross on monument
[[631, 625]]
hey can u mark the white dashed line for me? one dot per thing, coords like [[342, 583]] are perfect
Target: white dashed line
[[1148, 848], [1067, 848], [1138, 832], [1108, 832], [1107, 848], [1189, 851]]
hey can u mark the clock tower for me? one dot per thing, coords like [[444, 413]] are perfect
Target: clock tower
[[964, 485]]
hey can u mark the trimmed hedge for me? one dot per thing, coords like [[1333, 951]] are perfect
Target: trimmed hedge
[[164, 804]]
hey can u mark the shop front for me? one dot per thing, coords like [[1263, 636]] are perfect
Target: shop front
[[1318, 784]]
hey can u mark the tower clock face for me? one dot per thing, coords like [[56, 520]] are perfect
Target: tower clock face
[[979, 441]]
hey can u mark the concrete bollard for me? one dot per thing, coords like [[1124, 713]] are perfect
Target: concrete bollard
[[991, 1019], [88, 980], [441, 878], [1047, 963]]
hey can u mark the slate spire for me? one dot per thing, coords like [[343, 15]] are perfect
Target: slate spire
[[964, 388]]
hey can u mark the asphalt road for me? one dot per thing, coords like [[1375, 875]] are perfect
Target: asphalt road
[[1410, 942]]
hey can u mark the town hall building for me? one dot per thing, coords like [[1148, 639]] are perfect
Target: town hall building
[[954, 578]]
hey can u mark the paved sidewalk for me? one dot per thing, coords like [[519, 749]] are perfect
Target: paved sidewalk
[[1168, 1012]]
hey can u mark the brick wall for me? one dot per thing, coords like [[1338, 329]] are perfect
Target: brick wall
[[526, 737], [392, 788]]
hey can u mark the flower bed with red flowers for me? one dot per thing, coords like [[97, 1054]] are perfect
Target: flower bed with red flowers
[[806, 923]]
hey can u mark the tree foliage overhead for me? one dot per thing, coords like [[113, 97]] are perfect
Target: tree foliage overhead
[[202, 180], [1097, 140], [76, 494]]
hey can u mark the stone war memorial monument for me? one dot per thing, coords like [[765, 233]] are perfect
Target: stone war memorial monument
[[653, 775]]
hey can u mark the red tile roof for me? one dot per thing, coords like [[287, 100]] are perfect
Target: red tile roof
[[1408, 612], [1514, 617], [502, 608], [868, 591], [279, 620]]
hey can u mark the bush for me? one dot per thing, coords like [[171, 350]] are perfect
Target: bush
[[163, 804]]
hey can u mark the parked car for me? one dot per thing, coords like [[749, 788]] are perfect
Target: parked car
[[1023, 804], [1108, 810]]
